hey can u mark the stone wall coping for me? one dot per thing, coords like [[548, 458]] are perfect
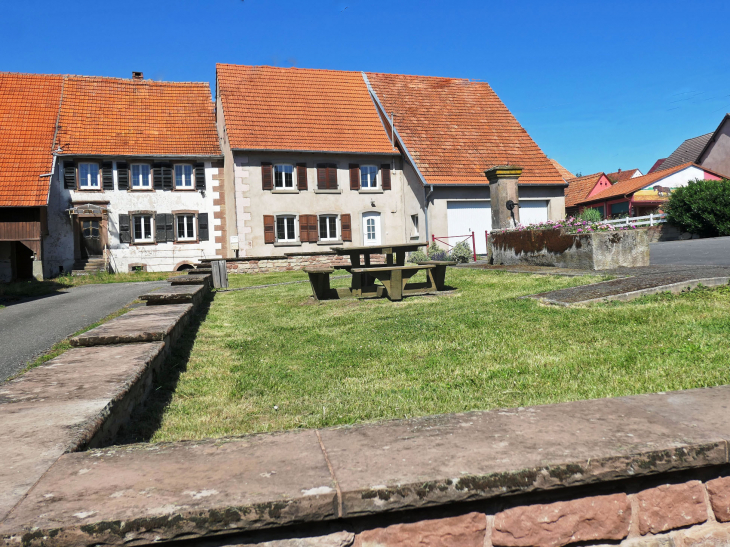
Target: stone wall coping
[[159, 492], [274, 257]]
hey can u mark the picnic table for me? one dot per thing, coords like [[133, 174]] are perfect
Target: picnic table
[[394, 274]]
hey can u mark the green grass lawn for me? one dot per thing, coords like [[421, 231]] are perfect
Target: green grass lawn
[[481, 347], [32, 287]]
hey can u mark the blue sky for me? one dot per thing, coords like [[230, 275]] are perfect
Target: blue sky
[[598, 85]]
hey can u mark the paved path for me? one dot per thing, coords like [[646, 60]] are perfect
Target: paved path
[[30, 328], [709, 252]]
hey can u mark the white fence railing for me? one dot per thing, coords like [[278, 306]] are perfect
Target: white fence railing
[[647, 220]]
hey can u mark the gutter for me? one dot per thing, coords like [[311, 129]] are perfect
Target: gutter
[[136, 156], [316, 151]]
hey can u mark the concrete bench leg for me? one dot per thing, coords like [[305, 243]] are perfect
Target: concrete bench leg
[[439, 277], [395, 291], [320, 285]]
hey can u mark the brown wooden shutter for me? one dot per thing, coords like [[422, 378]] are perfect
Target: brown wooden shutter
[[346, 227], [69, 175], [267, 180], [122, 176], [332, 176], [269, 231], [385, 176], [302, 176], [321, 176], [354, 176], [308, 228]]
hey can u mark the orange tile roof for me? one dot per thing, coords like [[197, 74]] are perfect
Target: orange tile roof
[[123, 117], [579, 188], [629, 186], [28, 113], [618, 176], [562, 170], [455, 129], [270, 108]]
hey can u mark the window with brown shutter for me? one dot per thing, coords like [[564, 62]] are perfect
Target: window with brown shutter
[[302, 176], [308, 228], [327, 176], [354, 176], [385, 176], [346, 227], [266, 177], [269, 236]]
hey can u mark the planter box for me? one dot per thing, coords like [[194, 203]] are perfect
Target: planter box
[[594, 251]]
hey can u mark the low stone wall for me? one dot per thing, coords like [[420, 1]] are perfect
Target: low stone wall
[[594, 251], [290, 262]]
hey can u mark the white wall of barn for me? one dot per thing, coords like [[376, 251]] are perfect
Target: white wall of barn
[[59, 244]]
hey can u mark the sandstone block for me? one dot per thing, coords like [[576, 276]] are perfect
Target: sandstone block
[[719, 490], [556, 524], [462, 531], [338, 539], [671, 506], [711, 535]]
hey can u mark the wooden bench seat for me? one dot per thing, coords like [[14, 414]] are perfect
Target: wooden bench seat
[[395, 279]]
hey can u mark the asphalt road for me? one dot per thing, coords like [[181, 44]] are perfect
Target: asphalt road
[[30, 328], [710, 252]]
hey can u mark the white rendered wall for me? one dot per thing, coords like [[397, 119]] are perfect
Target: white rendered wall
[[59, 244], [679, 179]]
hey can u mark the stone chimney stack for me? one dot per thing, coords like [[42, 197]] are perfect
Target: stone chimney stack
[[503, 194], [137, 75]]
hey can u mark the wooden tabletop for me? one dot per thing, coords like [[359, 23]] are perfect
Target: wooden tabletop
[[378, 249]]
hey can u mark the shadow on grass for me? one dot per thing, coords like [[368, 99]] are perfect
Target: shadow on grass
[[146, 420]]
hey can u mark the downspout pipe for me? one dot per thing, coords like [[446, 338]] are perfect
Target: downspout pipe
[[428, 195]]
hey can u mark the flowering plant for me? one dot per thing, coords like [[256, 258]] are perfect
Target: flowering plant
[[570, 225]]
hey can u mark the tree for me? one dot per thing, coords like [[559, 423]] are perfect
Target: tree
[[702, 207]]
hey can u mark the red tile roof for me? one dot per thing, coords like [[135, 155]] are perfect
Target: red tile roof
[[120, 117], [28, 113], [579, 188], [629, 186], [270, 108], [657, 165], [562, 170], [619, 175], [455, 129]]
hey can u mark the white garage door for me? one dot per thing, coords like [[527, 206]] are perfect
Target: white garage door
[[533, 212], [465, 217]]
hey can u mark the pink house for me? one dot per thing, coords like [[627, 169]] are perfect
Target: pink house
[[581, 188]]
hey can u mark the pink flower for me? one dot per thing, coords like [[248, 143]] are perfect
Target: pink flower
[[580, 230]]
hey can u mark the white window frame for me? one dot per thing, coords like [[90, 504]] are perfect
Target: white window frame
[[187, 236], [151, 238], [89, 183], [338, 229], [294, 236], [283, 181], [414, 223], [372, 184], [134, 186], [188, 184]]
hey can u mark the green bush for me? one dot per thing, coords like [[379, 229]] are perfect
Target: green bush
[[702, 207], [462, 252], [417, 256], [590, 215]]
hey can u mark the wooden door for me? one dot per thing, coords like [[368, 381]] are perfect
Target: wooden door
[[90, 232]]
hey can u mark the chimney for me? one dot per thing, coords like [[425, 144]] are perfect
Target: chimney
[[137, 75]]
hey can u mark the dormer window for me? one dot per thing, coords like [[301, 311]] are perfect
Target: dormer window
[[141, 176], [283, 175], [88, 176]]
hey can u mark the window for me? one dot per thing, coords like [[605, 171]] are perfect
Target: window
[[185, 227], [414, 222], [184, 176], [90, 228], [142, 228], [283, 176], [285, 228], [328, 228], [368, 176], [141, 176], [88, 175]]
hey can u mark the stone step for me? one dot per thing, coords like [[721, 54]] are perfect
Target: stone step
[[192, 279], [176, 294], [148, 324]]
